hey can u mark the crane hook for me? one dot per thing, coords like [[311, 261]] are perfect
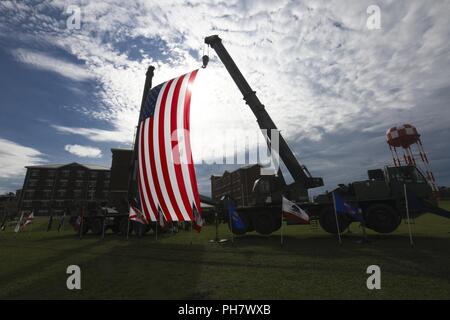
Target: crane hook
[[205, 59]]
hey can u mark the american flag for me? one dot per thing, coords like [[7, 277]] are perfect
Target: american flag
[[166, 176]]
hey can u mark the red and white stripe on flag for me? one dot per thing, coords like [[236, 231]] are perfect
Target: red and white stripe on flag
[[29, 219], [136, 215], [166, 175], [293, 212]]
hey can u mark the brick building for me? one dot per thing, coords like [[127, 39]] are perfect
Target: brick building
[[237, 184], [53, 189], [120, 169]]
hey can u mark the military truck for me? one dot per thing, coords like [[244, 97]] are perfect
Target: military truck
[[381, 197]]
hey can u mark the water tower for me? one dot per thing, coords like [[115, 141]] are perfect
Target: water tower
[[407, 138]]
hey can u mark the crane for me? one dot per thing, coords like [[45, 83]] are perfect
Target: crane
[[267, 187]]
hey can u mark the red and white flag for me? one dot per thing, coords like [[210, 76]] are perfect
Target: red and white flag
[[136, 215], [166, 175], [294, 213], [161, 218], [24, 221]]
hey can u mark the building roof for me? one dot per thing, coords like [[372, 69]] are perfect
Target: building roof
[[121, 149], [57, 166], [237, 170]]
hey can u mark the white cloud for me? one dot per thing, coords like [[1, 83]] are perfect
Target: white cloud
[[97, 135], [45, 62], [83, 151], [14, 157], [315, 65]]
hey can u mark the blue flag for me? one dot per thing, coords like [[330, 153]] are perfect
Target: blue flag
[[235, 220], [415, 203], [343, 207]]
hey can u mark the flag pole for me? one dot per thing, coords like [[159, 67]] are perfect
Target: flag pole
[[17, 228], [103, 228], [156, 230], [337, 223], [411, 242], [191, 230], [128, 227], [281, 226], [81, 223], [230, 218]]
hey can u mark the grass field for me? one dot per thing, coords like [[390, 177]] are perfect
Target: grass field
[[311, 264]]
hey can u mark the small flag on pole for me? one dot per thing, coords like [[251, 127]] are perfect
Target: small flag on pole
[[415, 202], [342, 207], [294, 213], [236, 222], [161, 218], [136, 215], [29, 219]]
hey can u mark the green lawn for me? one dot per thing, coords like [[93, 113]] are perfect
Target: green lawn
[[311, 264]]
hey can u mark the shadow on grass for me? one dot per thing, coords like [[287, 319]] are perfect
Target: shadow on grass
[[135, 269]]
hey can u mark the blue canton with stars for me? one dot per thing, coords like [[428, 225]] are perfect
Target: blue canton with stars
[[150, 102]]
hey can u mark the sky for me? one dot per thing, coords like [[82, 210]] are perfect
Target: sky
[[70, 89]]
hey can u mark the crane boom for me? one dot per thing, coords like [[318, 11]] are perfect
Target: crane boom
[[298, 172]]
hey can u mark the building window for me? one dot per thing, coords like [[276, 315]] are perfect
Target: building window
[[80, 174], [47, 194], [77, 194], [51, 173], [34, 173], [91, 194], [29, 194], [92, 184], [32, 183], [65, 173], [49, 182], [27, 204], [94, 175], [61, 193], [79, 184], [107, 175]]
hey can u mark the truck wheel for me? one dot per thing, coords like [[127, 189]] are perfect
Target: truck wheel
[[264, 223], [382, 218], [327, 220], [97, 226], [123, 225], [248, 221]]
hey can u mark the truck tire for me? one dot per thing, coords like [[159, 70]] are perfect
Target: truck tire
[[97, 226], [248, 221], [327, 220], [264, 222], [382, 218]]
